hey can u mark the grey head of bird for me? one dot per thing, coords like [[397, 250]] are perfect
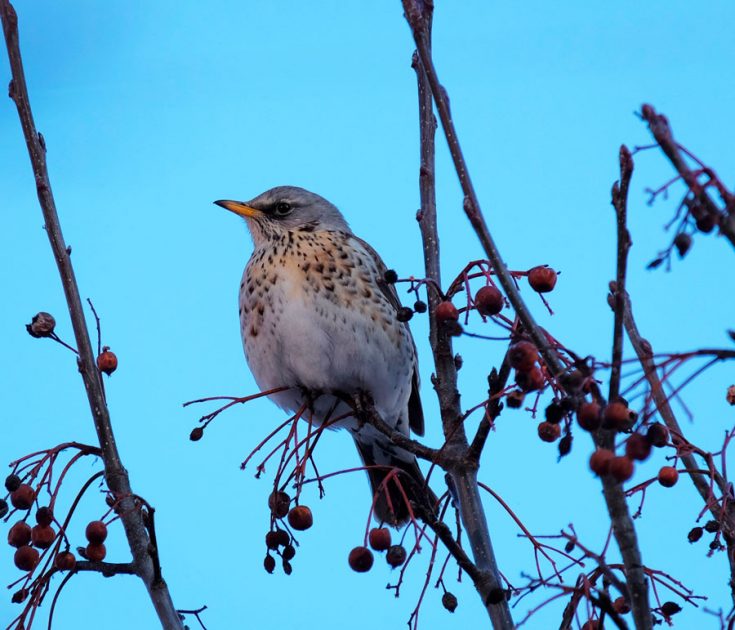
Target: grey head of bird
[[284, 209]]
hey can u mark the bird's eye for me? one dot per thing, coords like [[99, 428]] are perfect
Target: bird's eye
[[283, 208]]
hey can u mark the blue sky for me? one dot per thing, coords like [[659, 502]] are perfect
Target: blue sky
[[152, 110]]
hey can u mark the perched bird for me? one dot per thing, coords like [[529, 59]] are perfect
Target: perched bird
[[318, 316]]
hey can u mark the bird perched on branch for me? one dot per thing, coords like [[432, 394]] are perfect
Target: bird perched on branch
[[318, 316]]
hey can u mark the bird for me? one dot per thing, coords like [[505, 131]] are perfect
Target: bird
[[319, 317]]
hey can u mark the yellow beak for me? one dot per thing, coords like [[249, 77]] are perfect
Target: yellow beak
[[238, 207]]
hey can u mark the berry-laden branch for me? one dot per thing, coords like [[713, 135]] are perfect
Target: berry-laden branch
[[725, 517], [463, 477], [710, 214], [115, 473]]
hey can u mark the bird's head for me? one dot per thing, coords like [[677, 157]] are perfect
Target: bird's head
[[286, 208]]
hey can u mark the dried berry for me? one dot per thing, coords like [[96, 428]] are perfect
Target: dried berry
[[43, 536], [4, 509], [96, 532], [23, 496], [657, 435], [668, 476], [600, 461], [271, 540], [682, 242], [449, 601], [289, 551], [454, 329], [361, 559], [26, 558], [19, 534], [514, 399], [379, 538], [287, 568], [19, 596], [107, 361], [588, 416], [565, 445], [522, 356], [530, 381], [44, 515], [711, 527], [569, 547], [591, 624], [637, 447], [12, 483], [621, 606], [419, 306], [542, 279], [279, 502], [282, 537], [197, 433], [554, 413], [549, 432], [446, 312], [730, 395], [42, 325], [96, 552], [404, 314], [390, 276], [489, 301], [670, 608], [396, 555], [495, 596], [695, 533], [269, 564], [621, 468], [65, 561], [616, 415], [706, 223], [300, 518]]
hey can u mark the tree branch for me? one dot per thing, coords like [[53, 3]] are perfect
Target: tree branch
[[115, 474], [463, 476]]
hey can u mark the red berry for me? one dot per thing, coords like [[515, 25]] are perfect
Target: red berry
[[19, 534], [361, 559], [396, 556], [289, 551], [379, 538], [271, 540], [637, 447], [44, 516], [591, 624], [43, 536], [96, 532], [96, 552], [695, 534], [514, 399], [107, 361], [542, 279], [26, 558], [279, 502], [22, 498], [522, 356], [600, 461], [489, 301], [65, 561], [549, 432], [616, 415], [530, 381], [12, 482], [446, 312], [668, 476], [621, 468], [300, 518], [588, 416], [658, 435]]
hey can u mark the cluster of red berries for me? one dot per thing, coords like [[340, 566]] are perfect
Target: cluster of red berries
[[637, 448], [279, 540], [379, 539], [29, 540]]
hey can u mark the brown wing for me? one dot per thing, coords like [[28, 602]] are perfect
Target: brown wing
[[415, 410]]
